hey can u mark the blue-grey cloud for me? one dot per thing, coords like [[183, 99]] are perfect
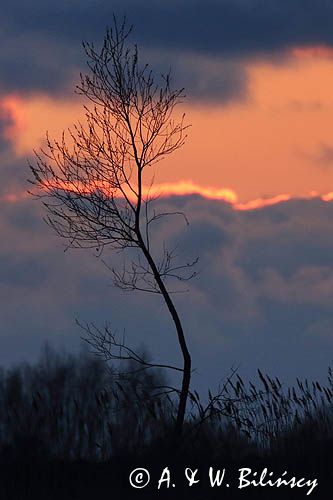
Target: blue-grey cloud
[[262, 298]]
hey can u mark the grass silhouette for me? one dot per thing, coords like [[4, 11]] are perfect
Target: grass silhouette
[[71, 428]]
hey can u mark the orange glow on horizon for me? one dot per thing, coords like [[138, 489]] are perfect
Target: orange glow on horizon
[[327, 197], [183, 188], [164, 190], [263, 202], [277, 141]]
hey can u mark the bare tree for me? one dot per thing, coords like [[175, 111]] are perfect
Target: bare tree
[[93, 182]]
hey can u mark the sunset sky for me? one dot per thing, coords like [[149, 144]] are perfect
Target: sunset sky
[[275, 138], [255, 176]]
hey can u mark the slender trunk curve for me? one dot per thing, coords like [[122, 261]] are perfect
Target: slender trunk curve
[[187, 362]]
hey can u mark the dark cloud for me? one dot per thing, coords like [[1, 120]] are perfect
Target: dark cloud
[[41, 41], [33, 62], [213, 26], [209, 78]]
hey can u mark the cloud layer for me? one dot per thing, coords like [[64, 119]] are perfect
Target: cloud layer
[[263, 297]]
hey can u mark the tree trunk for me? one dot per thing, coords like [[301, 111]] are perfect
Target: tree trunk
[[181, 340]]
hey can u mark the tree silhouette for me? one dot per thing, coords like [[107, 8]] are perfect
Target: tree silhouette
[[93, 182]]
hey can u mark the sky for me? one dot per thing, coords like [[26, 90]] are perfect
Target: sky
[[255, 178]]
